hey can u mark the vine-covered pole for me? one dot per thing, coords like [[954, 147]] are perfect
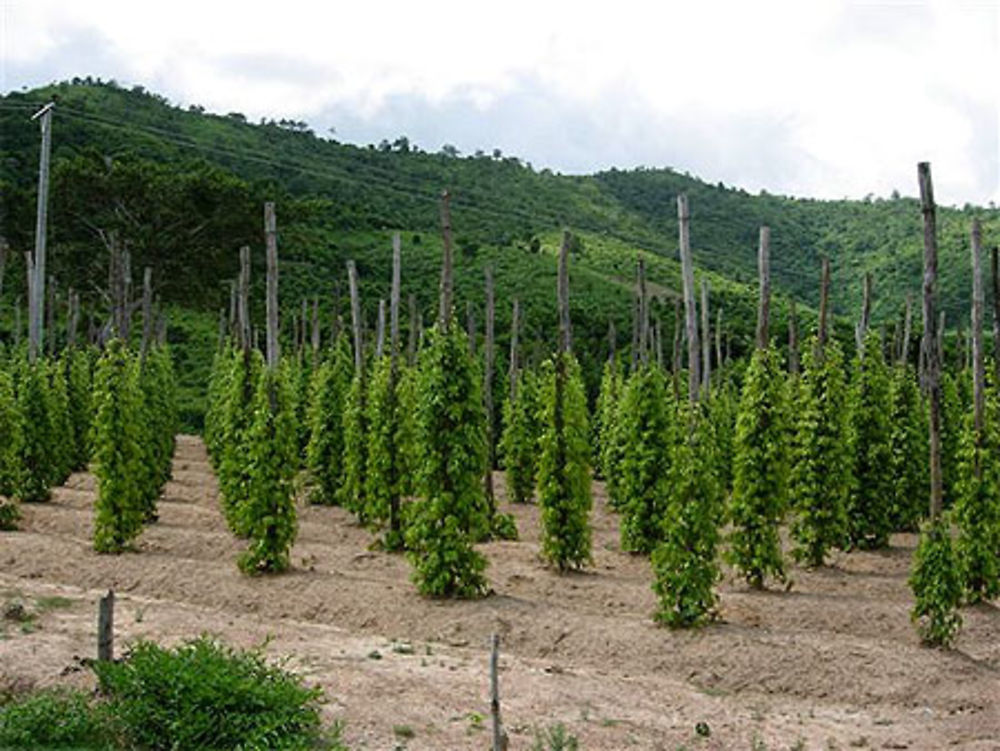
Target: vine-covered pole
[[643, 309], [933, 372], [271, 239], [488, 385], [718, 338], [565, 333], [865, 320], [978, 366], [243, 302], [515, 327], [394, 294], [824, 306], [147, 311], [380, 330], [706, 343], [413, 333], [793, 339], [764, 302], [675, 365], [995, 275], [690, 308]]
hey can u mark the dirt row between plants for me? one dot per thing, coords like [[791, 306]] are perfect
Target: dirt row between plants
[[832, 662]]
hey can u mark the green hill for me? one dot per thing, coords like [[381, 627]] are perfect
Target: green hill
[[184, 188]]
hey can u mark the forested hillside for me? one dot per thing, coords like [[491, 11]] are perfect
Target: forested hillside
[[183, 190]]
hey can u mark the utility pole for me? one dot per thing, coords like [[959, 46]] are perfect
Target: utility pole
[[36, 299]]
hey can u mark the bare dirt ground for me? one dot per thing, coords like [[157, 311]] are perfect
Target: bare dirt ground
[[832, 663]]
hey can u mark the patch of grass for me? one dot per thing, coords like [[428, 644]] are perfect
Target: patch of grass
[[403, 731], [555, 738], [52, 602]]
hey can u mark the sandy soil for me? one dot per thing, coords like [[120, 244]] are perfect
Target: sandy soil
[[832, 663]]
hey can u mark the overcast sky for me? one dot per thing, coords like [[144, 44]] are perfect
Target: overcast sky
[[807, 98]]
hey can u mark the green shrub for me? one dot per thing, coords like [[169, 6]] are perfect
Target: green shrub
[[387, 454], [451, 509], [519, 441], [268, 514], [119, 509], [79, 386], [760, 472], [869, 501], [61, 462], [325, 451], [11, 437], [911, 484], [57, 719], [646, 440], [685, 566], [605, 415], [38, 435], [563, 466], [936, 582], [203, 695], [352, 491], [820, 476], [233, 438]]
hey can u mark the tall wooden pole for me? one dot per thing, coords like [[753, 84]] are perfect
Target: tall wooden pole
[[315, 342], [706, 343], [271, 240], [793, 339], [444, 312], [824, 304], [515, 326], [978, 303], [865, 321], [675, 365], [930, 322], [147, 311], [643, 312], [904, 345], [718, 338], [243, 301], [565, 332], [488, 385], [764, 301], [690, 308], [394, 294], [636, 326], [380, 330], [352, 281], [995, 274], [612, 342], [36, 304]]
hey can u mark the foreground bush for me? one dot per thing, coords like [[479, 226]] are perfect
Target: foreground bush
[[936, 581], [56, 719]]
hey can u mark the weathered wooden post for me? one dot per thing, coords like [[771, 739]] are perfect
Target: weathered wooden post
[[515, 326], [106, 627], [359, 355], [636, 327], [675, 365], [978, 366], [643, 313], [930, 322], [380, 330], [488, 388], [444, 312], [764, 301], [394, 295], [718, 338], [499, 735], [690, 308], [995, 274], [315, 342], [565, 332], [271, 239], [36, 300], [793, 339], [243, 336], [861, 331], [706, 344]]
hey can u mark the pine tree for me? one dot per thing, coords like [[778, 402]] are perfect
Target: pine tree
[[563, 471], [910, 473], [119, 508], [685, 566], [820, 476], [451, 435], [647, 438], [760, 472], [869, 503], [519, 441], [268, 514], [937, 584]]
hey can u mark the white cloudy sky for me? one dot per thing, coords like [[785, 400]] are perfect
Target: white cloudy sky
[[807, 97]]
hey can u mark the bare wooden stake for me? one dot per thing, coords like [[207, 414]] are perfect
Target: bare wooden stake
[[793, 339], [675, 366], [930, 321], [36, 303], [865, 321], [50, 317], [636, 317], [359, 355], [271, 239], [444, 312], [243, 301], [904, 347], [499, 735], [565, 333], [315, 332], [706, 343], [612, 341], [718, 338], [690, 308], [824, 304], [764, 299], [978, 361], [106, 627]]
